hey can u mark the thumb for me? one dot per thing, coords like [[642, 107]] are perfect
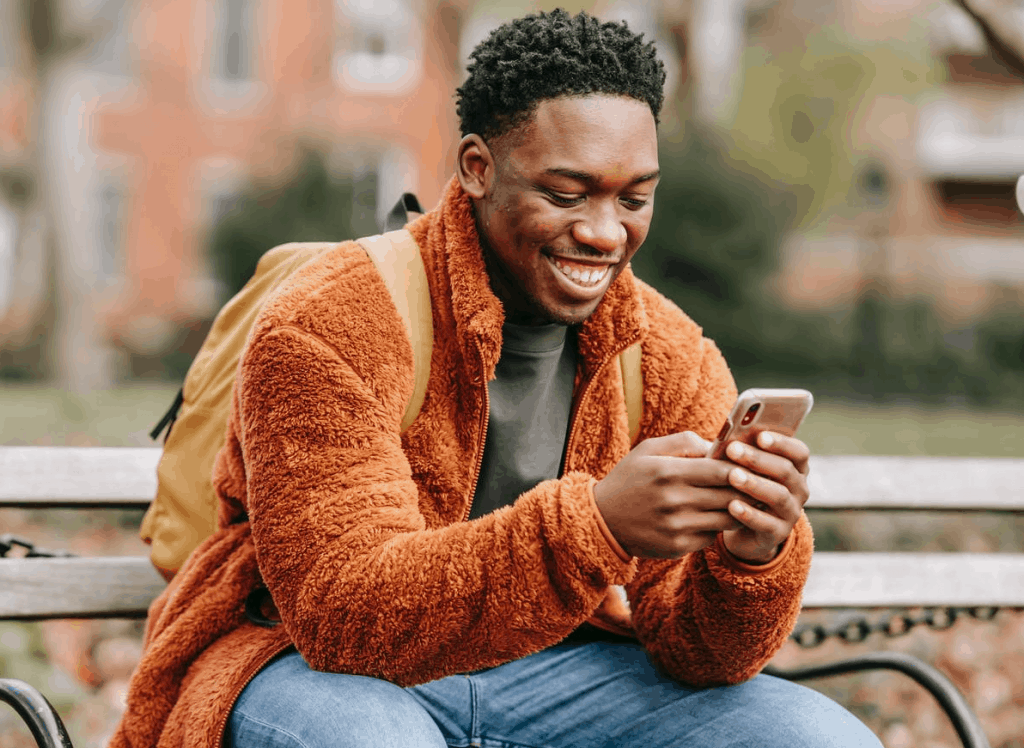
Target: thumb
[[679, 444]]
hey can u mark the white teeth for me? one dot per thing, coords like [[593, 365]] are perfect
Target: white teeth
[[584, 278]]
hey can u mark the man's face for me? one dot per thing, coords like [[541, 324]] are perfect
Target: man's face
[[565, 203]]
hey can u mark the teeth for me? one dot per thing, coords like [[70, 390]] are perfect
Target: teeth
[[584, 278]]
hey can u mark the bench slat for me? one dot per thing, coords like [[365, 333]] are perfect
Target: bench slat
[[121, 587], [124, 586], [126, 477], [936, 483], [77, 477], [864, 580]]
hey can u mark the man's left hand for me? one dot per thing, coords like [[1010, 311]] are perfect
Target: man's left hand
[[774, 476]]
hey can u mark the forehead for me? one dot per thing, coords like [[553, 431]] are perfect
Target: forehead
[[606, 136]]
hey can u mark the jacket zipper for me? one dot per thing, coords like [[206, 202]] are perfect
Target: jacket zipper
[[223, 725], [583, 394], [485, 420]]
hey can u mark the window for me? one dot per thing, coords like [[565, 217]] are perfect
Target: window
[[107, 27], [111, 233], [9, 30], [8, 255], [378, 47], [233, 86], [234, 49]]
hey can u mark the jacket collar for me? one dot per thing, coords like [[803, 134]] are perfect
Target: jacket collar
[[618, 320]]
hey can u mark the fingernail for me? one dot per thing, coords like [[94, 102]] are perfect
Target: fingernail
[[767, 439], [735, 450], [738, 507], [739, 477]]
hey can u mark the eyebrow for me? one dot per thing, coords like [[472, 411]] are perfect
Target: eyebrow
[[582, 176]]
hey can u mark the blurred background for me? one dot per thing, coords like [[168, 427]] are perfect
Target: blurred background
[[837, 210]]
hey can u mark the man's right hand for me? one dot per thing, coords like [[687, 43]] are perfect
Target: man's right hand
[[666, 499]]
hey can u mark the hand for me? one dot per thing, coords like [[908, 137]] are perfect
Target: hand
[[665, 498], [775, 477]]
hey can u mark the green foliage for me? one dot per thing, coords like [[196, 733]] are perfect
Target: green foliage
[[713, 242], [313, 206], [713, 247], [797, 120]]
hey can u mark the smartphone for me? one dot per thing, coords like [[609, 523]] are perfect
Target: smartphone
[[757, 410]]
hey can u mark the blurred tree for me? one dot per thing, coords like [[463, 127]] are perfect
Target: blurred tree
[[713, 242], [793, 124], [313, 206], [713, 249]]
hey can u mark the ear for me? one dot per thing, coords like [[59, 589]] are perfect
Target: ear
[[475, 166]]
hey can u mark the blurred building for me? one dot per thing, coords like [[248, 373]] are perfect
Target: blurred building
[[128, 127], [939, 219], [146, 120]]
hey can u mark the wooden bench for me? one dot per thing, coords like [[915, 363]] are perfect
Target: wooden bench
[[106, 478]]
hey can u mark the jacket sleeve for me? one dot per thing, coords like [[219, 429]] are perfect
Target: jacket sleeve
[[708, 618], [361, 583]]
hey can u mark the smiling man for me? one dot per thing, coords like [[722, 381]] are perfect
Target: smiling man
[[515, 569]]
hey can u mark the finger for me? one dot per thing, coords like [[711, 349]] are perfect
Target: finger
[[696, 500], [767, 526], [772, 466], [701, 522], [772, 496], [697, 472], [680, 444], [789, 447]]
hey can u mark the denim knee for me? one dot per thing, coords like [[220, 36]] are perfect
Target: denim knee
[[288, 705], [780, 714]]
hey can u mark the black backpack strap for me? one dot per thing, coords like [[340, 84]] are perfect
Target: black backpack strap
[[169, 417], [399, 215]]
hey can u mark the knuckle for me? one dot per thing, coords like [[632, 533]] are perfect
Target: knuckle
[[790, 474], [662, 474]]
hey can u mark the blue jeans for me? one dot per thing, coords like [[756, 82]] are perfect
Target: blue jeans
[[586, 695]]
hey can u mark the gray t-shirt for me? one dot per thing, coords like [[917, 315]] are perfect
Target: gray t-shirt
[[531, 402]]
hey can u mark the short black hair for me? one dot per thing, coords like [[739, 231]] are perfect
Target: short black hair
[[550, 55]]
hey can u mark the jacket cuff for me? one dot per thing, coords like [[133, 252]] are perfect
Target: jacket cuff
[[742, 567], [619, 550]]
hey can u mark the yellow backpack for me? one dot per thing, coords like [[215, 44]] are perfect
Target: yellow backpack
[[184, 510]]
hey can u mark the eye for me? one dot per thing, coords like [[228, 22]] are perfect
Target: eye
[[634, 203], [566, 201]]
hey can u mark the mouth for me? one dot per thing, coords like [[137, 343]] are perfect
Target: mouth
[[583, 275]]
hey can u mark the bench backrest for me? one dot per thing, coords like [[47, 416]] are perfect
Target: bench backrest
[[99, 477]]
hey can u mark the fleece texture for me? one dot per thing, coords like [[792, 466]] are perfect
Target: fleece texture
[[358, 530]]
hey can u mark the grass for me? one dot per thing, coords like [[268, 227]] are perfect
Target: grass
[[843, 427], [35, 414]]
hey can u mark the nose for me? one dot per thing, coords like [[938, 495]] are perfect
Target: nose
[[600, 229]]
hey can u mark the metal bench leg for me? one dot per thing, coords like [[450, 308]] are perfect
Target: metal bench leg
[[965, 722], [40, 716]]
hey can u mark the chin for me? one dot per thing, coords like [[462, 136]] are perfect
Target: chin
[[568, 317]]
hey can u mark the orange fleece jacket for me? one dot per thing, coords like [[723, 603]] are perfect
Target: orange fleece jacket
[[358, 530]]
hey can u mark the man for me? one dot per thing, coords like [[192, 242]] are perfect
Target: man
[[455, 584]]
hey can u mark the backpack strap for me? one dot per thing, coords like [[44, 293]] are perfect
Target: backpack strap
[[633, 388], [403, 212], [399, 263]]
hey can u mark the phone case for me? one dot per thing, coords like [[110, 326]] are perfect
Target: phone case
[[778, 410]]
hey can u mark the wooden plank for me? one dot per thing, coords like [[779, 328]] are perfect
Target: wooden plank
[[865, 580], [116, 587], [77, 477], [126, 477], [113, 476], [124, 586], [935, 483]]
